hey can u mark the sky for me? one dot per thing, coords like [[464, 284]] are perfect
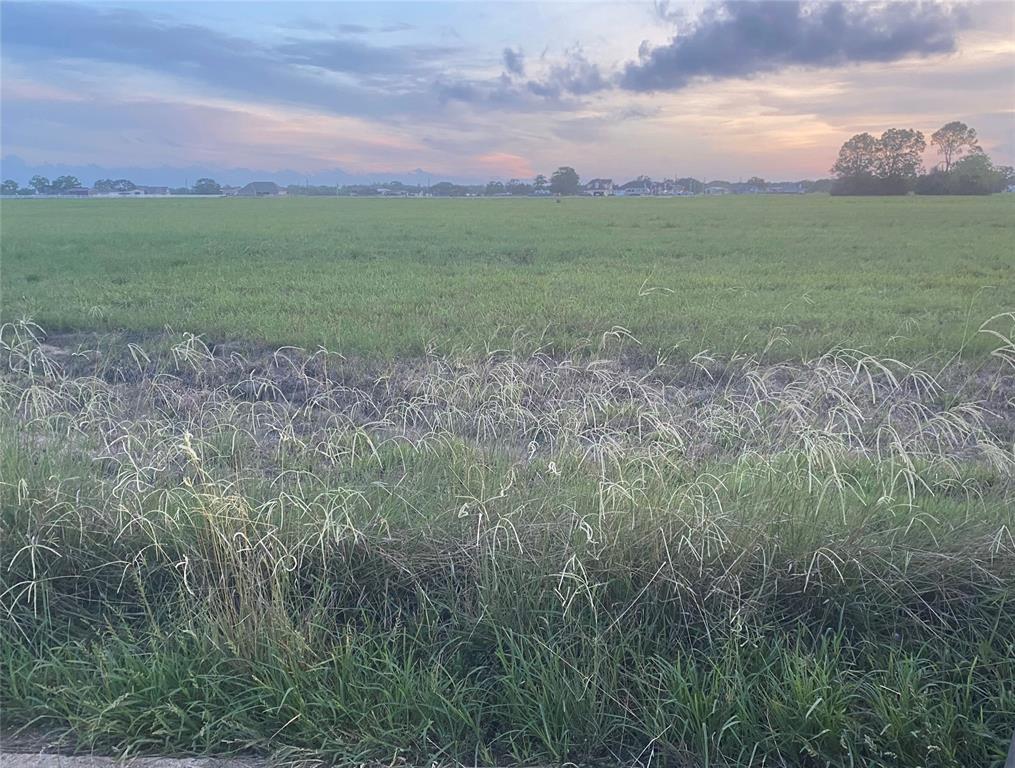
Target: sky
[[475, 90]]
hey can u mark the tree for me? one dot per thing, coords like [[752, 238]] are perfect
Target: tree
[[103, 186], [10, 187], [64, 183], [207, 187], [899, 155], [124, 185], [40, 184], [856, 157], [953, 141], [937, 182], [757, 181], [518, 187], [565, 181], [854, 168], [1007, 174], [540, 183], [974, 174], [495, 188]]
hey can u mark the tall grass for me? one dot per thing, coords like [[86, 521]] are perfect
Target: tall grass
[[512, 559]]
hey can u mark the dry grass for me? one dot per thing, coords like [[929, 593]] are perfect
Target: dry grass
[[513, 557]]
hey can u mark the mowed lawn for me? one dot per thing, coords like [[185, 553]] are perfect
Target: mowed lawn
[[907, 277]]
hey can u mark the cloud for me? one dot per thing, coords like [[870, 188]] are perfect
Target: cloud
[[355, 57], [575, 76], [514, 62], [294, 72], [506, 164], [741, 38]]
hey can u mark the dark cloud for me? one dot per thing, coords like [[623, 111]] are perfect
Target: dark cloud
[[346, 74], [293, 72], [741, 38], [514, 62], [574, 76]]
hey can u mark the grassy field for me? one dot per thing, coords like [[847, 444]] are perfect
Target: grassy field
[[797, 555], [906, 277]]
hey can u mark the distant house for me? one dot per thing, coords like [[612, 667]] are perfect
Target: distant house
[[785, 188], [667, 188], [260, 189], [77, 192], [599, 188], [154, 191], [640, 187], [717, 190]]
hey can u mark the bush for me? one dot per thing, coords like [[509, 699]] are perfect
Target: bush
[[870, 185]]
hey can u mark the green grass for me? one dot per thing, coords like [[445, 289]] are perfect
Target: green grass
[[703, 561], [510, 560], [906, 277]]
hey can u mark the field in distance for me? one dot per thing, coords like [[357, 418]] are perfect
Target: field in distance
[[382, 557], [905, 277]]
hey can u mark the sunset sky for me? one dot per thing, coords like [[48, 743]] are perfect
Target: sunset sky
[[478, 90]]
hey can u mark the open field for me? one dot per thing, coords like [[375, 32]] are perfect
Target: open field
[[740, 553], [906, 277]]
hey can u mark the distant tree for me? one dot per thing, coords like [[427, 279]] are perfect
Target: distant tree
[[103, 186], [26, 192], [953, 141], [856, 157], [40, 184], [974, 174], [518, 187], [64, 183], [540, 183], [124, 185], [207, 187], [495, 188], [899, 155], [447, 189], [888, 165], [10, 187], [757, 181], [692, 185], [818, 185], [1007, 174], [937, 182], [565, 181]]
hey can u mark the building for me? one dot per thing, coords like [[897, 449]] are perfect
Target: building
[[260, 189], [714, 190], [155, 191], [76, 192], [599, 188], [785, 188]]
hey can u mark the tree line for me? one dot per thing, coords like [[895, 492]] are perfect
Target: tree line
[[40, 185], [892, 164]]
